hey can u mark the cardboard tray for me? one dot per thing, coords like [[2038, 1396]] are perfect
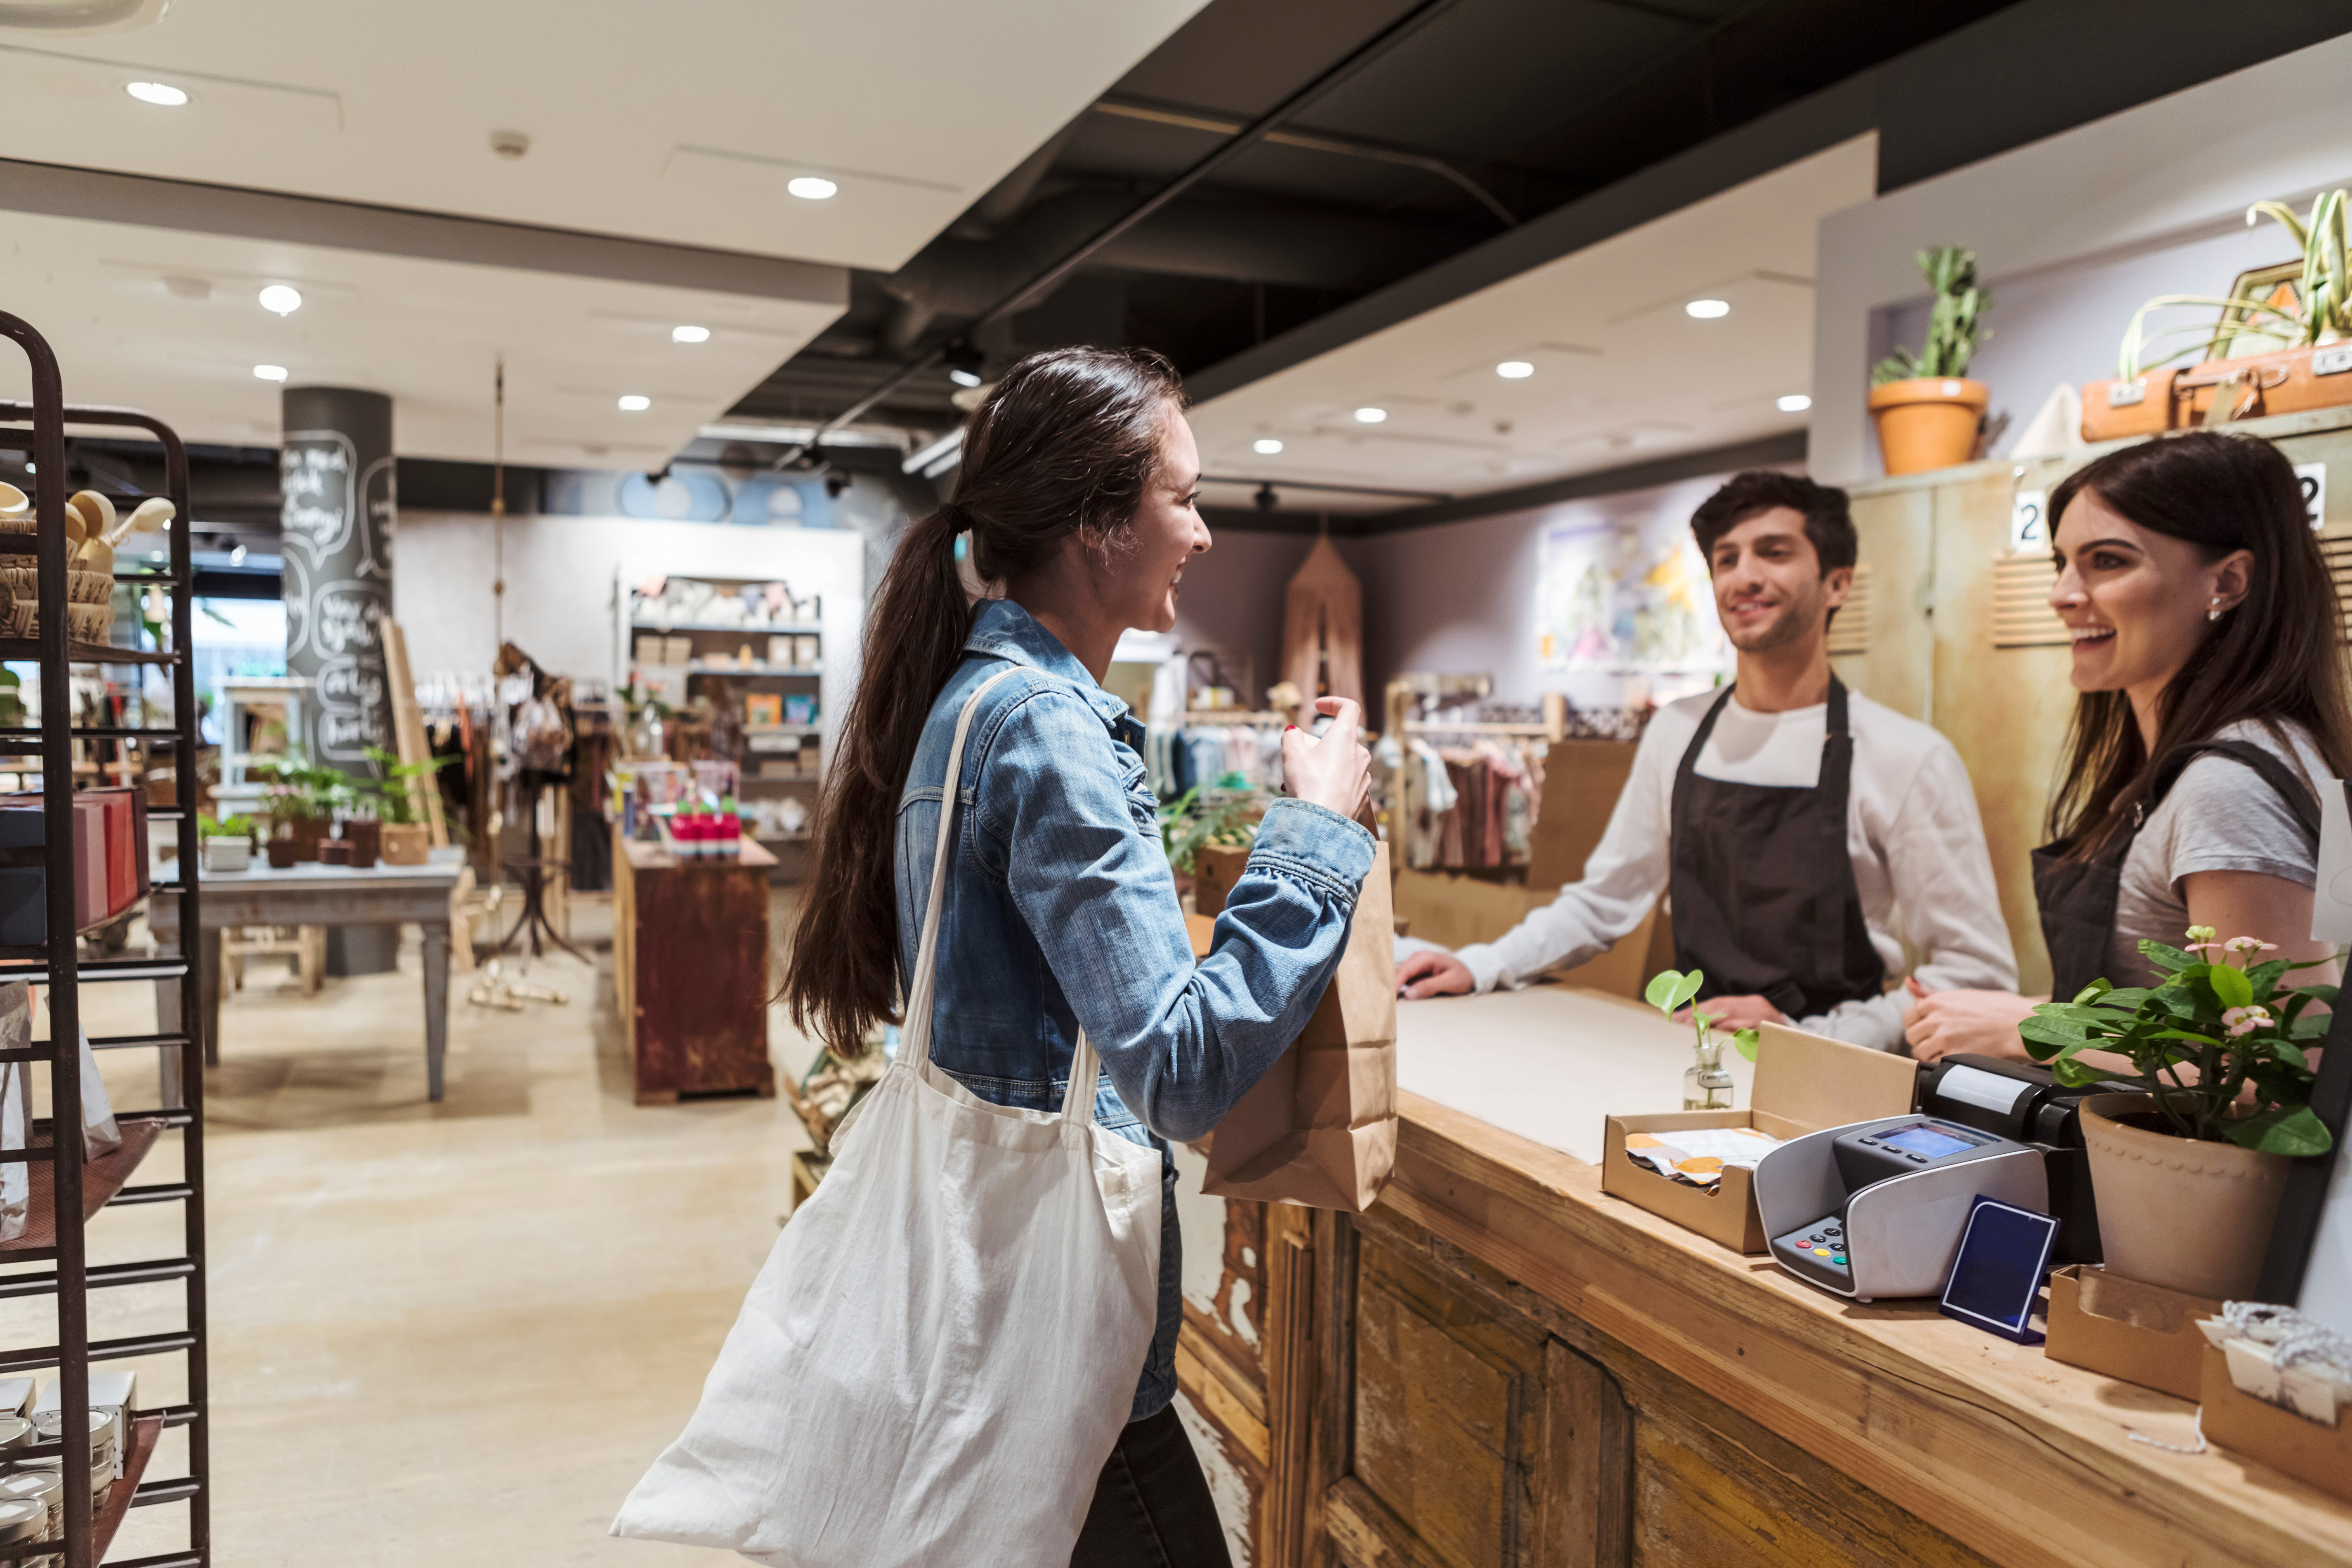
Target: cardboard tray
[[2137, 1332], [2286, 1442], [1803, 1083]]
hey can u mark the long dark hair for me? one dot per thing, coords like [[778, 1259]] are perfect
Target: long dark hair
[[2277, 657], [1067, 442]]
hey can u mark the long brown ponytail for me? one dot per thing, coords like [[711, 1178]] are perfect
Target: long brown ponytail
[[1067, 441]]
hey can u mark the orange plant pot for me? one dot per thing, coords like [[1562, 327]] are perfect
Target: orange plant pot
[[1928, 423]]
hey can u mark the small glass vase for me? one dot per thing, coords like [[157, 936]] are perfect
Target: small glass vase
[[1706, 1085]]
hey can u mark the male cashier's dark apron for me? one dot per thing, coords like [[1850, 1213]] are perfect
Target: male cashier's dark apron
[[2078, 898], [1763, 889]]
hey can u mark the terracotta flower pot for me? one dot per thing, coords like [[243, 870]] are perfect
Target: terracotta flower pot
[[1928, 423], [334, 852], [405, 843], [366, 839], [2178, 1212], [281, 853]]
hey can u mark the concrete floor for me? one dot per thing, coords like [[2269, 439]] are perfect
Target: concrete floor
[[450, 1333]]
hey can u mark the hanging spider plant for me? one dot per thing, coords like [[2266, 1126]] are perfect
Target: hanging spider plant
[[2322, 314]]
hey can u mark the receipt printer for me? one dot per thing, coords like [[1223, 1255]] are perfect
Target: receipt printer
[[2024, 1101], [1876, 1208]]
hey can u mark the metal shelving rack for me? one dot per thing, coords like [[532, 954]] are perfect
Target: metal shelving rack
[[66, 1192]]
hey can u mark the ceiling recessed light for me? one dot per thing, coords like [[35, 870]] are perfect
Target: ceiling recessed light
[[690, 334], [281, 300], [811, 187], [1795, 403], [269, 371], [1371, 415], [237, 556], [162, 94], [1707, 310], [1265, 446], [1515, 370], [635, 403], [964, 375]]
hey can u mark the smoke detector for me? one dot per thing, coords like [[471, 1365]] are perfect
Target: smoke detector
[[58, 16], [510, 144]]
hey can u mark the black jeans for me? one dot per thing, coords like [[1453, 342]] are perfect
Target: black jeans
[[1151, 1507]]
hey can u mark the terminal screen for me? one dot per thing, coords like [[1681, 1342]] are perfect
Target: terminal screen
[[1926, 1141]]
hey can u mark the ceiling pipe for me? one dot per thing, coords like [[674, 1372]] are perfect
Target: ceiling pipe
[[1347, 66], [1344, 146]]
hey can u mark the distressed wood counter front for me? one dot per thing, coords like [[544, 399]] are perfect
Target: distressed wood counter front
[[1501, 1365]]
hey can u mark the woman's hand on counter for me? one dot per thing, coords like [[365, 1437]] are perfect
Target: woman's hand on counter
[[1432, 973], [1335, 771], [1977, 1022], [1727, 1013]]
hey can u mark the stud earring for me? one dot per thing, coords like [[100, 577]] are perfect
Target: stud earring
[[2213, 613]]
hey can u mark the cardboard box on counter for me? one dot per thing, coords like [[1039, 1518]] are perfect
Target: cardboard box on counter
[[2286, 1442], [1803, 1083], [2126, 1329]]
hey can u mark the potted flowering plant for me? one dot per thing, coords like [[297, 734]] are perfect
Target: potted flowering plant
[[2188, 1169]]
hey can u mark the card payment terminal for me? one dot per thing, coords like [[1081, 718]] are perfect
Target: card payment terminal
[[1878, 1208]]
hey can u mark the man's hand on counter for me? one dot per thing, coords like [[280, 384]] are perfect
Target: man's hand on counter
[[1432, 974], [1725, 1013], [1977, 1023]]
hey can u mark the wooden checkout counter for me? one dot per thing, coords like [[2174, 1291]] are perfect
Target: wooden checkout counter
[[1501, 1365]]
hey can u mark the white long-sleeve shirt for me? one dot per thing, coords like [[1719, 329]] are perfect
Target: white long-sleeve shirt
[[1912, 828]]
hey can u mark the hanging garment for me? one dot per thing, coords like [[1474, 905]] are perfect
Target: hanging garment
[[1323, 628], [1763, 889], [909, 1385]]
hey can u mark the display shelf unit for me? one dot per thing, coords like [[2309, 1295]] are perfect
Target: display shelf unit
[[68, 1192], [717, 647]]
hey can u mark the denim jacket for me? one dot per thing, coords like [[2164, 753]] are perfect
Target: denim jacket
[[1062, 911]]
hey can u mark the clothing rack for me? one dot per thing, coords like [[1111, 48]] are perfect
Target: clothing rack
[[1404, 694]]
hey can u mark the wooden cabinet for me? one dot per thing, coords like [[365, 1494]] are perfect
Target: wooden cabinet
[[690, 971], [1500, 1366]]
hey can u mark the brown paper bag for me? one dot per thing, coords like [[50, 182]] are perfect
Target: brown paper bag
[[1320, 1129]]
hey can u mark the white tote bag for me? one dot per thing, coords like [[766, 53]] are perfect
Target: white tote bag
[[937, 1359]]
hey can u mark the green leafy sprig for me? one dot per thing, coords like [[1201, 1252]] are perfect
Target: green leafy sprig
[[2237, 1025], [1670, 990]]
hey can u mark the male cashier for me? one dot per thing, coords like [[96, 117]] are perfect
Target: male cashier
[[1805, 836]]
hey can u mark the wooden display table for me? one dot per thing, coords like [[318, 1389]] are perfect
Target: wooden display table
[[1501, 1365], [690, 971], [311, 894]]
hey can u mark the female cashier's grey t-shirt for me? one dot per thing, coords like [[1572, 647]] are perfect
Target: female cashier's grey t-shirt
[[2221, 815]]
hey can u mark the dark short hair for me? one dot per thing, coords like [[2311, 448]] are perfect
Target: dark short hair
[[1828, 522]]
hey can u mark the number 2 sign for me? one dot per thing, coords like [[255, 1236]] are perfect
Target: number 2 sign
[[2029, 527]]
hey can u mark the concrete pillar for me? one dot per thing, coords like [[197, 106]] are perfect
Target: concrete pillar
[[336, 474]]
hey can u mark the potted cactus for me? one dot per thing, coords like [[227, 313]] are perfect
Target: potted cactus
[[1927, 412]]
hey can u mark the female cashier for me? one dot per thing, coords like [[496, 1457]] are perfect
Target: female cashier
[[2209, 650]]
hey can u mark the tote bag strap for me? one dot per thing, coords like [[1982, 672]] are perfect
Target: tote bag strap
[[915, 1039]]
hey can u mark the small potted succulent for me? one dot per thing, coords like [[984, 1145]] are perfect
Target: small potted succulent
[[2188, 1169], [228, 843], [405, 840], [300, 801], [1927, 412]]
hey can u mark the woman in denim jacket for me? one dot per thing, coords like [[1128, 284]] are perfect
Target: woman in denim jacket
[[1076, 503]]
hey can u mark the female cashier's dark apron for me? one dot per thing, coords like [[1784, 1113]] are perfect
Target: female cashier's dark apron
[[1763, 889], [2078, 898]]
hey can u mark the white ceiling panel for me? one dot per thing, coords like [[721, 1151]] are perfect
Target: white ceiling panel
[[170, 322], [1623, 374], [679, 122]]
